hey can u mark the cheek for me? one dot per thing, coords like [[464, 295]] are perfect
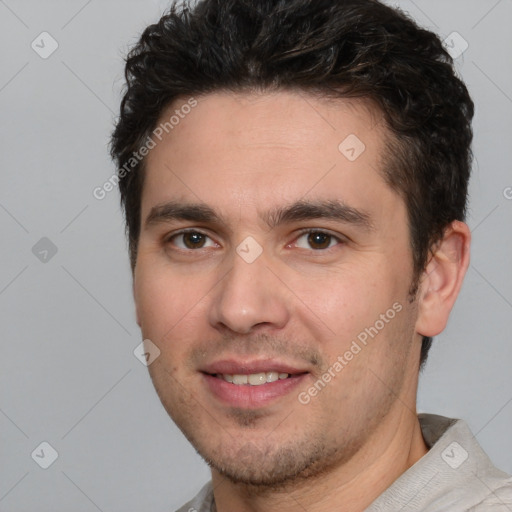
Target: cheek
[[365, 322], [170, 316], [345, 300], [165, 301]]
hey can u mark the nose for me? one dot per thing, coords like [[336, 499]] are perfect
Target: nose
[[250, 297]]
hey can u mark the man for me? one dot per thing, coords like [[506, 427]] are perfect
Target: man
[[294, 177]]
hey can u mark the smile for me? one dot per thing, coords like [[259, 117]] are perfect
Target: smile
[[253, 379]]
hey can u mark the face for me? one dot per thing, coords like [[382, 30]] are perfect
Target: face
[[273, 272]]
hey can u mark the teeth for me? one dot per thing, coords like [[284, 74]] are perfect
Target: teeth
[[254, 379], [239, 379], [273, 376]]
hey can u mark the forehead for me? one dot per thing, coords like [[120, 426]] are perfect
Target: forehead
[[265, 147], [280, 119]]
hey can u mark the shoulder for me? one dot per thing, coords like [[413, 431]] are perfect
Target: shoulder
[[498, 499], [455, 475]]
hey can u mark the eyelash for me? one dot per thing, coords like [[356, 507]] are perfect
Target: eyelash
[[307, 231], [170, 238]]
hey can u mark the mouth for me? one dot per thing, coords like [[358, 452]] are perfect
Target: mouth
[[251, 384], [254, 379]]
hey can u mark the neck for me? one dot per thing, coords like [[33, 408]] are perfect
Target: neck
[[394, 448]]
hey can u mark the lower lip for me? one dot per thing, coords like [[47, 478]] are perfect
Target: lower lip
[[251, 397]]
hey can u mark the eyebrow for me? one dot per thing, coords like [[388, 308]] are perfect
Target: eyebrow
[[309, 210], [182, 211], [298, 211]]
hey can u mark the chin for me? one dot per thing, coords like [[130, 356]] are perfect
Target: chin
[[274, 469]]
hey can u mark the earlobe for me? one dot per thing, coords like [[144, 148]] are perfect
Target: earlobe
[[442, 279]]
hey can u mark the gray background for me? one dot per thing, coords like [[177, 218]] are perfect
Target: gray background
[[68, 375]]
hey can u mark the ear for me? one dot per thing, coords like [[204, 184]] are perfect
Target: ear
[[442, 279]]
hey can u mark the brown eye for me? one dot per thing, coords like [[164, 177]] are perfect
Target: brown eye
[[316, 240], [191, 240], [319, 240]]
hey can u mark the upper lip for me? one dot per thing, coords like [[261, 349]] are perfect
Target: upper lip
[[238, 367]]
